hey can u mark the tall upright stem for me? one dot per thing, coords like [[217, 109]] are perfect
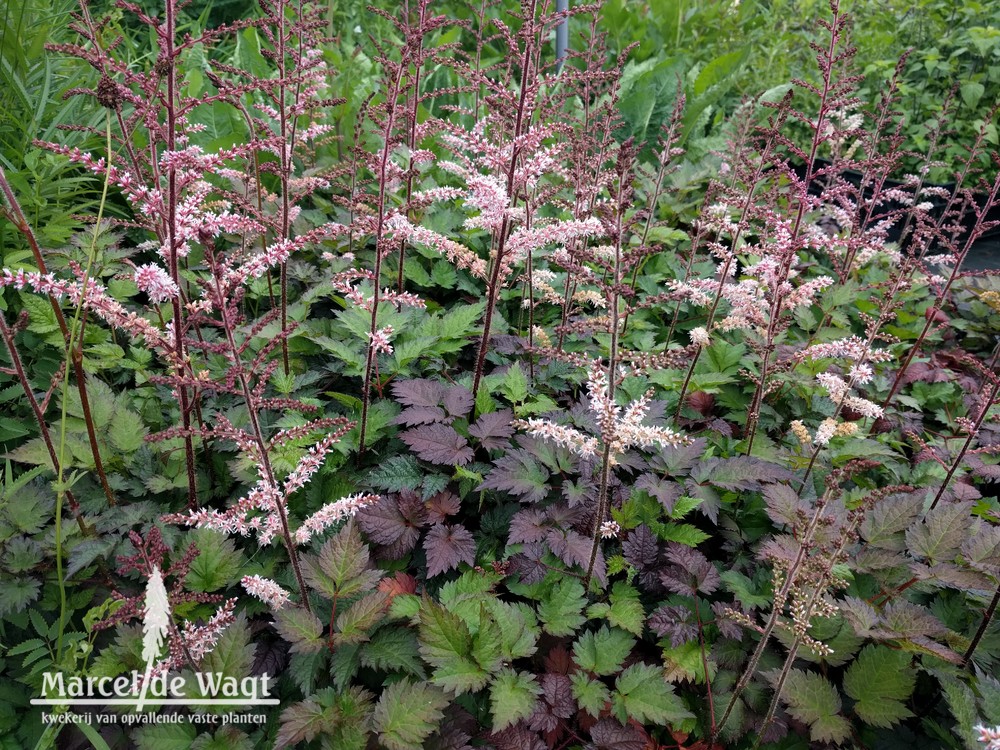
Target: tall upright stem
[[778, 607], [777, 300], [602, 495], [977, 230], [411, 136], [991, 610], [16, 215], [257, 432], [170, 54], [43, 429], [493, 285], [987, 403], [380, 248]]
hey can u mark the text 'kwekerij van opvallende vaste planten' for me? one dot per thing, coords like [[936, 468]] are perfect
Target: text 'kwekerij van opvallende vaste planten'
[[386, 378]]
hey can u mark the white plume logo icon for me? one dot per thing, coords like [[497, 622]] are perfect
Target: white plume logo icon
[[155, 625]]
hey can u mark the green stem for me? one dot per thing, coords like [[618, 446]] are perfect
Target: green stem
[[70, 346]]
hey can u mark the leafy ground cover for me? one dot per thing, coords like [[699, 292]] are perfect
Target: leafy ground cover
[[414, 374]]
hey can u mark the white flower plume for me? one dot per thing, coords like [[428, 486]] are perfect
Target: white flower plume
[[155, 626]]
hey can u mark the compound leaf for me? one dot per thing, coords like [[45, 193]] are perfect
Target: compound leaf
[[513, 696], [592, 695], [814, 701], [446, 644], [880, 679], [407, 713], [642, 693], [561, 611], [603, 652]]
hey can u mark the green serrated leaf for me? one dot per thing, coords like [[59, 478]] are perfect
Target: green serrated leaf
[[592, 695], [642, 693], [300, 628], [487, 642], [218, 562], [101, 399], [397, 473], [404, 607], [443, 274], [682, 533], [603, 652], [407, 713], [342, 567], [814, 701], [484, 401], [514, 384], [941, 533], [446, 644], [684, 505], [433, 484], [513, 696], [344, 664], [233, 653], [561, 610], [962, 705], [303, 721], [354, 707], [41, 317], [18, 593], [880, 679], [744, 589], [684, 663], [415, 272], [25, 646], [354, 623], [393, 649], [459, 322], [518, 628], [625, 610]]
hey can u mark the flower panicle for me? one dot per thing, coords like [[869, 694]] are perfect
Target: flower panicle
[[266, 590]]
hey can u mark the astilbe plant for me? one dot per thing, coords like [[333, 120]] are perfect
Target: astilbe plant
[[794, 323], [200, 208], [187, 643], [392, 120]]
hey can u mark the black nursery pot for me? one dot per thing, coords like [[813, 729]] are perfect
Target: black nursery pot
[[985, 251]]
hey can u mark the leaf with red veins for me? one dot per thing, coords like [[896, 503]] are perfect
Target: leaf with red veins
[[420, 392], [458, 401], [740, 473], [640, 548], [690, 573], [528, 525], [558, 694], [393, 523], [442, 505], [675, 622], [418, 415], [570, 547], [439, 444], [448, 546], [664, 490], [608, 734], [519, 473], [529, 565], [493, 430]]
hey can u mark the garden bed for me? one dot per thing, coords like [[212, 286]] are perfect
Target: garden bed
[[438, 418]]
